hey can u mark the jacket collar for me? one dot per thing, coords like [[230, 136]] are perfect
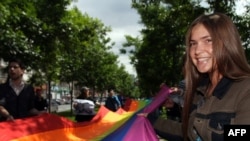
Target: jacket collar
[[220, 90]]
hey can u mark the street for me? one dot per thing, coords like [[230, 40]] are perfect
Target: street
[[63, 107]]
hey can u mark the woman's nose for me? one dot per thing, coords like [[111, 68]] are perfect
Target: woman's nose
[[199, 48]]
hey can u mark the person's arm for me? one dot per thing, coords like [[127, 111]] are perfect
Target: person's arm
[[97, 104], [34, 111], [177, 95], [118, 101], [168, 129], [46, 104], [74, 104], [177, 90], [6, 114]]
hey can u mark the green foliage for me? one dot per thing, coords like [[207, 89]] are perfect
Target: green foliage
[[59, 43], [158, 53], [67, 114]]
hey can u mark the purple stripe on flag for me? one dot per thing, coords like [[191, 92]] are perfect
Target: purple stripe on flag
[[158, 99], [141, 130]]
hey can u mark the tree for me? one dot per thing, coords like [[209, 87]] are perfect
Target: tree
[[60, 44], [157, 53], [17, 24]]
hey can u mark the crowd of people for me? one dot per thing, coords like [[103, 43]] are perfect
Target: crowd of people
[[84, 105], [19, 99]]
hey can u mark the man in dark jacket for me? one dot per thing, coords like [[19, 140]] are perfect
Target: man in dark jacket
[[16, 97], [112, 102]]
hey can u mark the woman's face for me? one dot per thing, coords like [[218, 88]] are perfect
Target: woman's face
[[201, 49]]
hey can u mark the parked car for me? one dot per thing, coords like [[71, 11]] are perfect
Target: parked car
[[60, 101], [66, 99]]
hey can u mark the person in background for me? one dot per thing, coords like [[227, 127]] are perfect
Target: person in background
[[217, 78], [84, 106], [16, 96], [112, 102], [121, 99], [173, 110], [41, 103]]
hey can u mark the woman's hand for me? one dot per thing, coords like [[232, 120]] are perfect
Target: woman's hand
[[174, 89]]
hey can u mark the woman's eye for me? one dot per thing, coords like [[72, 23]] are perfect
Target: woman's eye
[[209, 40], [192, 44]]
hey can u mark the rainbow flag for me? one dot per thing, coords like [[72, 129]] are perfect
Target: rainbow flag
[[123, 125]]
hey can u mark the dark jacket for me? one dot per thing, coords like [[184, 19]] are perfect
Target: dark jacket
[[20, 105], [41, 103], [111, 103], [229, 104]]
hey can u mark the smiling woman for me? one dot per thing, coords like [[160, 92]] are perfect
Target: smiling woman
[[217, 78]]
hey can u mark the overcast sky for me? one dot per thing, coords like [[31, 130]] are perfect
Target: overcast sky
[[122, 19]]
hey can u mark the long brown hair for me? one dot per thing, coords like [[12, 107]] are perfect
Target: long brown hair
[[228, 54]]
